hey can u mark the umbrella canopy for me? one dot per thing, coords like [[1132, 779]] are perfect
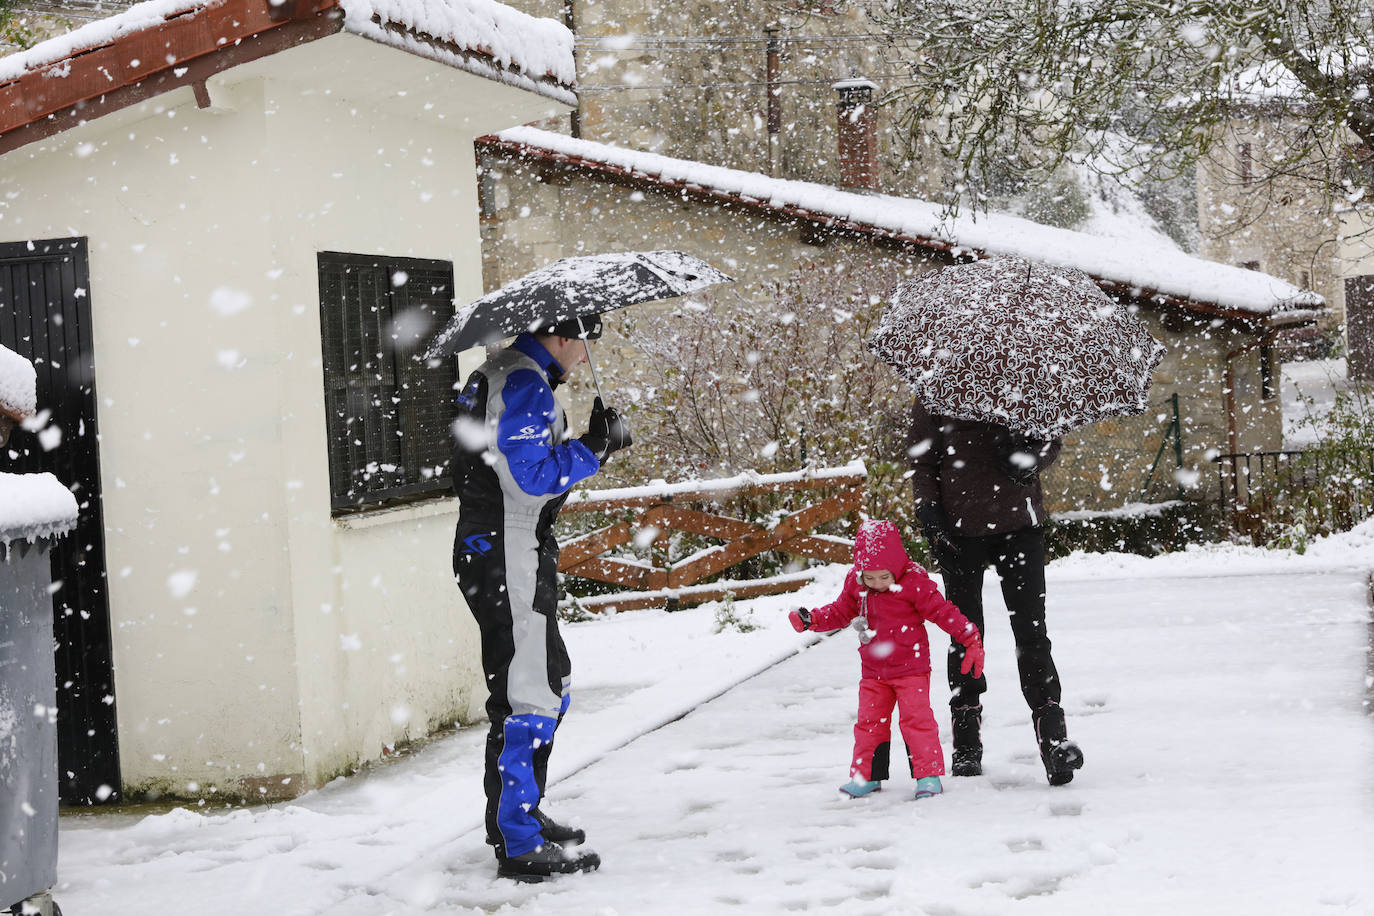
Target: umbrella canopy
[[572, 287], [1036, 348]]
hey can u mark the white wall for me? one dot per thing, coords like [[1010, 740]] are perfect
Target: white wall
[[1356, 255], [304, 644], [190, 445]]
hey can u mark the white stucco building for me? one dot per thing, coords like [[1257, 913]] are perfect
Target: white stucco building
[[224, 227]]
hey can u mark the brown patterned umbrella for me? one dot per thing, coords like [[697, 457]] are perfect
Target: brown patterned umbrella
[[1036, 348]]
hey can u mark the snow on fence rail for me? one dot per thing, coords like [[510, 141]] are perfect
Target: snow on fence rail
[[694, 507]]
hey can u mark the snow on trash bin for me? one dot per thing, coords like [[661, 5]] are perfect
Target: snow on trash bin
[[34, 509]]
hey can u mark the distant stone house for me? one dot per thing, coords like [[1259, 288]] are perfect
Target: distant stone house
[[225, 228], [1286, 227], [1258, 210], [549, 195]]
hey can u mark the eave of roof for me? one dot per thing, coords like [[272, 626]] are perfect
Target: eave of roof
[[1274, 320], [186, 48], [155, 47]]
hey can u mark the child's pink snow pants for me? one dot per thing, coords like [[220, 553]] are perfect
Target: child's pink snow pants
[[873, 730]]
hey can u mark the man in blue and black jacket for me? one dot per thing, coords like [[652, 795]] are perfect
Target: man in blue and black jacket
[[513, 466]]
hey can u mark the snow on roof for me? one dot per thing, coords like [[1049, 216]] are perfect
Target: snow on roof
[[34, 506], [1272, 81], [483, 37], [1144, 271], [536, 48], [106, 31], [18, 385]]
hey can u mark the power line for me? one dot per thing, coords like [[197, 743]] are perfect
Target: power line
[[700, 49], [610, 43], [584, 89]]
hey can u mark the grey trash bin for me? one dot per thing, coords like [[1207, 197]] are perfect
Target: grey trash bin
[[34, 509]]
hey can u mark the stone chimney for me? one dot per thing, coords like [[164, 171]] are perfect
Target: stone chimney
[[858, 134]]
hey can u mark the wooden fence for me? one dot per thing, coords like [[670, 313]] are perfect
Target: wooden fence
[[650, 515]]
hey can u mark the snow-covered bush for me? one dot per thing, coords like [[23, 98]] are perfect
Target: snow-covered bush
[[729, 617], [1145, 529], [734, 384], [1330, 487]]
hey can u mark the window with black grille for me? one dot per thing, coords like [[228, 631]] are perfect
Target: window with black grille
[[388, 410]]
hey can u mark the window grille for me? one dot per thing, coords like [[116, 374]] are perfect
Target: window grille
[[388, 411]]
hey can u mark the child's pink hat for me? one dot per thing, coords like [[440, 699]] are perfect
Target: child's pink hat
[[878, 545]]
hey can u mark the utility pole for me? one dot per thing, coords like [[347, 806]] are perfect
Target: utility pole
[[772, 80], [570, 20]]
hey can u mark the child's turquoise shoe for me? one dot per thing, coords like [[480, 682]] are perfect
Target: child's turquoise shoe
[[928, 787], [858, 788]]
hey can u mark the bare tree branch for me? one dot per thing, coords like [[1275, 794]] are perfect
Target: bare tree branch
[[1010, 92]]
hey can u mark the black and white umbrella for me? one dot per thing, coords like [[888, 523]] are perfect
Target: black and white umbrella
[[1036, 348], [570, 288]]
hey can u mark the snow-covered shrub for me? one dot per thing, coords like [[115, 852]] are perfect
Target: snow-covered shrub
[[1146, 529], [728, 617], [1330, 486], [572, 611], [730, 384], [1293, 535]]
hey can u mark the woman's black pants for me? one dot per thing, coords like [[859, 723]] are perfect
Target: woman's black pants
[[1019, 558]]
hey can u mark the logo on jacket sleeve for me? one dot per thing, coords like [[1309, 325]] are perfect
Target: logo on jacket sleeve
[[531, 433], [476, 543]]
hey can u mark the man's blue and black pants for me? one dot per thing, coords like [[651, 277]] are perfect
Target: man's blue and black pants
[[508, 574]]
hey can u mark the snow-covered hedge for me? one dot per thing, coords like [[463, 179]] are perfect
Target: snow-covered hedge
[[1146, 529]]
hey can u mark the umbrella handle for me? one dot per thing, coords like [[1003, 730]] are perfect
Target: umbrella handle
[[591, 365]]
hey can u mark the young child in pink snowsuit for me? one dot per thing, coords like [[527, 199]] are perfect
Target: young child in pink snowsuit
[[888, 598]]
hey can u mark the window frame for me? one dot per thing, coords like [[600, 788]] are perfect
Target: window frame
[[380, 462]]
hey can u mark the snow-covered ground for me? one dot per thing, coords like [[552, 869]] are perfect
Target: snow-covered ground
[[1221, 696], [1309, 389]]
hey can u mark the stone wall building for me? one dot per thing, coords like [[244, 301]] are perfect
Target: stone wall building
[[745, 85], [1261, 209], [1286, 227], [549, 195]]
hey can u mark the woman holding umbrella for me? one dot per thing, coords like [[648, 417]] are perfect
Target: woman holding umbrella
[[979, 502], [1005, 356]]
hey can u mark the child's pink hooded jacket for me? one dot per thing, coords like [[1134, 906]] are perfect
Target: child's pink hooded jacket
[[899, 646]]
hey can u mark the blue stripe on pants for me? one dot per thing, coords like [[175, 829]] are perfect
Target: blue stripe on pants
[[519, 788]]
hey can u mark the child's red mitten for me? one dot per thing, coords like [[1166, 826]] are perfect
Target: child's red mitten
[[974, 656], [800, 619]]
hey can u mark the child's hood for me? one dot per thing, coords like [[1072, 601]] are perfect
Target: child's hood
[[878, 545]]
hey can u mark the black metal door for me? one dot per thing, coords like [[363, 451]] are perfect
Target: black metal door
[[45, 316]]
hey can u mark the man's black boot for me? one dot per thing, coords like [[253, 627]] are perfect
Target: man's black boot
[[546, 861], [559, 833], [967, 759], [1059, 755]]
